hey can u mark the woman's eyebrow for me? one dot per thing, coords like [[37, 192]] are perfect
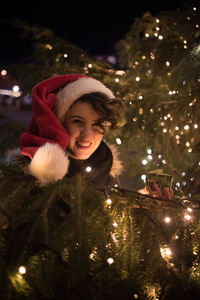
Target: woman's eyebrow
[[76, 116], [80, 117]]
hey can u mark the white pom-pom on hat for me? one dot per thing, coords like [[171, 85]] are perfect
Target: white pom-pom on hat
[[49, 163], [74, 90]]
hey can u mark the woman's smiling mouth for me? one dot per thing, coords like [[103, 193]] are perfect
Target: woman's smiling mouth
[[83, 145]]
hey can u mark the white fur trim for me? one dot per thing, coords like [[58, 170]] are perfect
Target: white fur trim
[[72, 91], [49, 163]]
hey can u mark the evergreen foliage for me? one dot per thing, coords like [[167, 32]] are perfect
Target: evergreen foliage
[[65, 233]]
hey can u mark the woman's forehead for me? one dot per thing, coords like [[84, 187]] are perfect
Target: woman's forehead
[[84, 110]]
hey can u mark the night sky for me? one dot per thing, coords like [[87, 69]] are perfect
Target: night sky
[[95, 26]]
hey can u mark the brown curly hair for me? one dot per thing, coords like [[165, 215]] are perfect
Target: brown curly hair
[[108, 109]]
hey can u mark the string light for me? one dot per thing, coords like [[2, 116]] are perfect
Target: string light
[[144, 162], [188, 217], [110, 260], [167, 219], [143, 177], [165, 252], [88, 169], [115, 224], [4, 72], [16, 88], [149, 151], [22, 270], [108, 201], [186, 127], [118, 141]]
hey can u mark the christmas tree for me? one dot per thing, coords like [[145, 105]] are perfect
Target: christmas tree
[[69, 240]]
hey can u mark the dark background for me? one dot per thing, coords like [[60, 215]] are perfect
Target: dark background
[[95, 26]]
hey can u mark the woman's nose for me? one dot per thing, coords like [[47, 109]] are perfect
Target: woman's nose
[[86, 132]]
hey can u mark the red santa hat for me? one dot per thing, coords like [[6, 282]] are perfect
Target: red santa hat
[[45, 140]]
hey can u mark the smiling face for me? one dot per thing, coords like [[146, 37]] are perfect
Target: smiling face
[[85, 132]]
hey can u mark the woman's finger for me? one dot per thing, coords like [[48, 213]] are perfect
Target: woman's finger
[[167, 193], [158, 190]]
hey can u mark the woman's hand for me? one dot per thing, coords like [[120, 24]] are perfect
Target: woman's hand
[[165, 194]]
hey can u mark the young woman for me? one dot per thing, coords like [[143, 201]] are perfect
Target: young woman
[[71, 114]]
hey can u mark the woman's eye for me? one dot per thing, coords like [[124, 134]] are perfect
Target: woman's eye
[[77, 121], [99, 128]]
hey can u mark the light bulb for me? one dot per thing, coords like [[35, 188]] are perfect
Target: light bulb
[[108, 201], [167, 220], [22, 270], [110, 260], [88, 169]]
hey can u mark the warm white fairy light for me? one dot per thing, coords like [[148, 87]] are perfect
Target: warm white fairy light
[[149, 151], [65, 55], [3, 72], [117, 80], [15, 88], [196, 126], [22, 270], [108, 201], [167, 63], [110, 260], [186, 127], [143, 177], [176, 128], [164, 161], [189, 209], [118, 141], [137, 78], [115, 224], [88, 169], [144, 162], [147, 34], [187, 144], [157, 21], [167, 219], [120, 72], [165, 252], [150, 157], [188, 217], [160, 37], [90, 66]]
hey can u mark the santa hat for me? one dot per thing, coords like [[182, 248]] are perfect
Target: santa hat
[[45, 140]]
